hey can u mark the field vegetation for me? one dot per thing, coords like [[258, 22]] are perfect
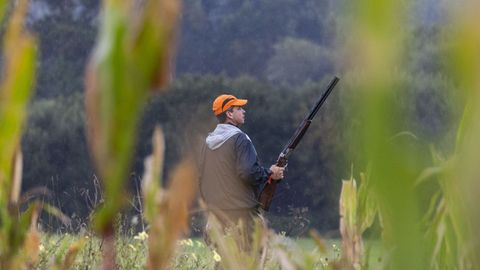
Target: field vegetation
[[413, 199]]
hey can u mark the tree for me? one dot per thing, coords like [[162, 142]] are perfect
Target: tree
[[296, 61], [237, 37], [66, 32], [56, 154]]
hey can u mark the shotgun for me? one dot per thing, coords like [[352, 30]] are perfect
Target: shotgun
[[268, 191]]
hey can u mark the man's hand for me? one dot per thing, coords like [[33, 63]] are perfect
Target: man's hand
[[277, 172]]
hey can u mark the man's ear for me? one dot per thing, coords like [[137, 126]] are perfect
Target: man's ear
[[229, 114]]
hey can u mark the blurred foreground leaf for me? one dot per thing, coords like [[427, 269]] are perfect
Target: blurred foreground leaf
[[380, 30], [131, 58], [166, 210], [18, 235], [128, 61]]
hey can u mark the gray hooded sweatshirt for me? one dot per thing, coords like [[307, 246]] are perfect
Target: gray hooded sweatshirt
[[222, 133]]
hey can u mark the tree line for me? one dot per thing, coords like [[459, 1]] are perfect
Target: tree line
[[279, 55], [56, 154]]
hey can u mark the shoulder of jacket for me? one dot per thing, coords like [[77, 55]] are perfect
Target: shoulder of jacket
[[242, 137]]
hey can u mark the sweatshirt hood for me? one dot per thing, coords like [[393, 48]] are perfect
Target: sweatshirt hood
[[220, 135]]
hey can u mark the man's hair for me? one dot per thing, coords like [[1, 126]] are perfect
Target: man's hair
[[222, 118]]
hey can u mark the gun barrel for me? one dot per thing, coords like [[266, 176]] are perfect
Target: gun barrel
[[268, 191], [302, 128], [324, 97]]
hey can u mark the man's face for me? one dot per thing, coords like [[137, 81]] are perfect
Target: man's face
[[237, 116]]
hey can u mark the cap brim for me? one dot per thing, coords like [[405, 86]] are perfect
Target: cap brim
[[239, 102]]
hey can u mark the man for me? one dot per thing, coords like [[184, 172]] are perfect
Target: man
[[231, 176]]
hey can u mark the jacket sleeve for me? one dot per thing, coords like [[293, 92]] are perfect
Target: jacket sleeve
[[248, 166]]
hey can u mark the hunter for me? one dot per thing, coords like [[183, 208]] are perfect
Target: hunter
[[231, 175]]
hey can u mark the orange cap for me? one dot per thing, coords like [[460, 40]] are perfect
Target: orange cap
[[223, 102]]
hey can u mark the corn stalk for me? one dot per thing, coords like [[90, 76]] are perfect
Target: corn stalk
[[358, 209], [375, 54], [19, 238], [166, 210], [131, 59], [452, 218]]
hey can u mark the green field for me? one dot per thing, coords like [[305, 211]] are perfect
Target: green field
[[192, 253]]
